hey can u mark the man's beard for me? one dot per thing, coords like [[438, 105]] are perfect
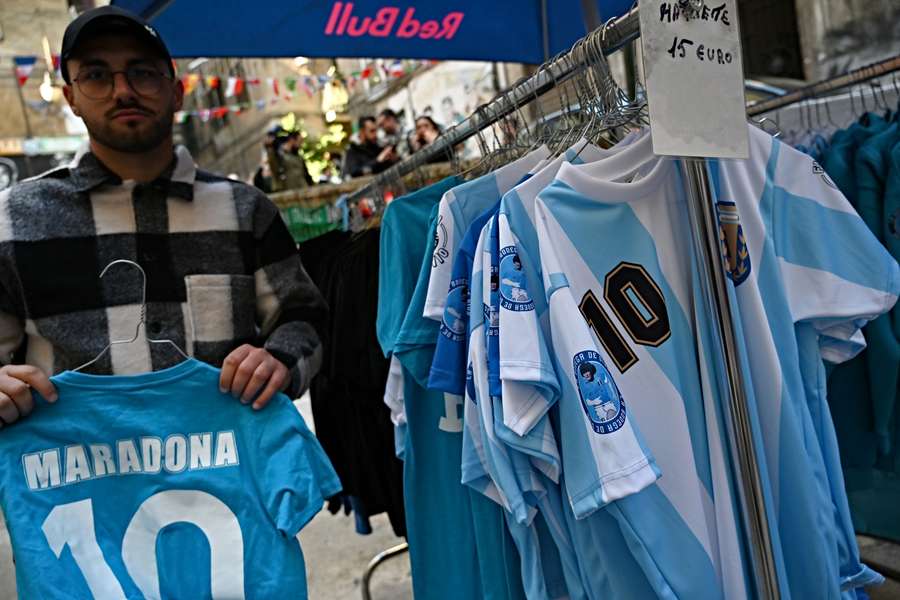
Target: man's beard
[[136, 140]]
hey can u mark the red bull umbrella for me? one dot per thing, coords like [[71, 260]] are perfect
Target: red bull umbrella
[[527, 31]]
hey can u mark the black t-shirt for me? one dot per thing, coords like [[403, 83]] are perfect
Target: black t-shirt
[[352, 422]]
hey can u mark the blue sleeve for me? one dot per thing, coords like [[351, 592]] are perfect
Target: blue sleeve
[[393, 281], [295, 476], [449, 365], [493, 329]]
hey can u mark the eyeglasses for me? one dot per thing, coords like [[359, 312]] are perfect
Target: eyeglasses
[[97, 83]]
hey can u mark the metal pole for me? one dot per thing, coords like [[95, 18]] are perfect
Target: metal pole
[[377, 560], [28, 135], [745, 462], [545, 30], [862, 74]]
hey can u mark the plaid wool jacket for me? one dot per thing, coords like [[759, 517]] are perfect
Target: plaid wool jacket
[[222, 270]]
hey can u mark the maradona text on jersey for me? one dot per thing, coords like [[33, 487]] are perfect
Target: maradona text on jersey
[[55, 467]]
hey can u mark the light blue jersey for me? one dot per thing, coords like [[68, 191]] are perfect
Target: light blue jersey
[[158, 485], [620, 255], [451, 352], [438, 507]]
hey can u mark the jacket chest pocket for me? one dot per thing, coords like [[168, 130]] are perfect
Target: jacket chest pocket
[[220, 313]]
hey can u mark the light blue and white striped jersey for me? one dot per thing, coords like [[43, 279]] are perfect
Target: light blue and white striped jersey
[[486, 465], [853, 573], [800, 257], [608, 567], [620, 254], [458, 208], [528, 379], [600, 264]]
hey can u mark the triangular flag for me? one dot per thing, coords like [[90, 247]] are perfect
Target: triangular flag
[[397, 68], [24, 67], [239, 86], [212, 82], [275, 87], [56, 64], [229, 87], [190, 82], [291, 83], [306, 88]]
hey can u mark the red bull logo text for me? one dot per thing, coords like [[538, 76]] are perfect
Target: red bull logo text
[[388, 21]]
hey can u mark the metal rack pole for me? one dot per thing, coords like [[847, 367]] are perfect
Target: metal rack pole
[[745, 461], [377, 560], [878, 69]]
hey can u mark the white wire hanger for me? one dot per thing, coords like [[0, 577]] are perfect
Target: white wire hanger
[[141, 323]]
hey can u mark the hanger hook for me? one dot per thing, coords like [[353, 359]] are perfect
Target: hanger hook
[[125, 261]]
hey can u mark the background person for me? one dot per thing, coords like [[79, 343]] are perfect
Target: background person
[[367, 157], [286, 164]]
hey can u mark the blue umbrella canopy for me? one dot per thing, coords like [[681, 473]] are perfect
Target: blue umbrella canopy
[[527, 31]]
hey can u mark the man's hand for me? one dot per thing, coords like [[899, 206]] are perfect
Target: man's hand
[[16, 382], [386, 155], [249, 369]]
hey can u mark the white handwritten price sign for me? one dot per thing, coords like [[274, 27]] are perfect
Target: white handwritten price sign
[[695, 78]]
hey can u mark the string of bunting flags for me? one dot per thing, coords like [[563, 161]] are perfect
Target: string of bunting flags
[[310, 84], [24, 65], [234, 86]]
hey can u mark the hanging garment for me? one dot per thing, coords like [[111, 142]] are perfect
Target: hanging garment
[[458, 208], [863, 392], [499, 471], [643, 273], [159, 485], [438, 507], [351, 420]]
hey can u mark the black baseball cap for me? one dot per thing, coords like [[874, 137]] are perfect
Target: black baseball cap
[[105, 19]]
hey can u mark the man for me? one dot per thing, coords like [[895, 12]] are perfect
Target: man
[[392, 132], [224, 281], [288, 168], [514, 280], [597, 393], [366, 157]]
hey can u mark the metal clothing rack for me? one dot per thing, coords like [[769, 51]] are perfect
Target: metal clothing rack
[[861, 75], [547, 78], [744, 459]]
